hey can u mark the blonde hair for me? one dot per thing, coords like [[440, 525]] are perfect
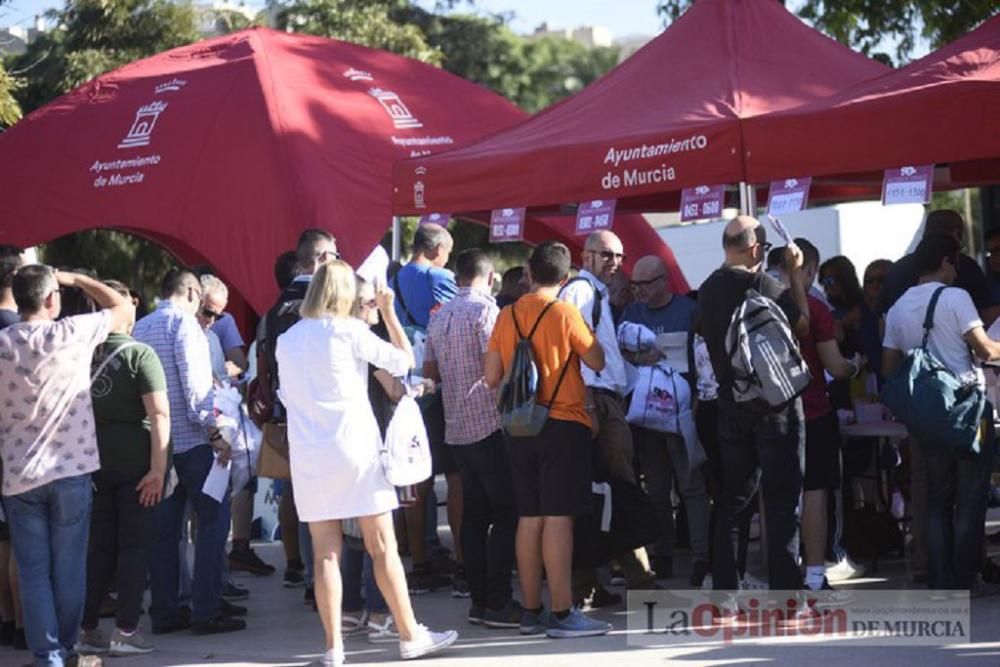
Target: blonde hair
[[331, 292]]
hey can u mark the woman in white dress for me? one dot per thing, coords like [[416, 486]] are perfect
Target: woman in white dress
[[333, 448]]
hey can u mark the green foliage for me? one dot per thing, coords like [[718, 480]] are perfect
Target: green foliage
[[95, 36], [368, 22], [10, 110], [136, 262], [871, 26]]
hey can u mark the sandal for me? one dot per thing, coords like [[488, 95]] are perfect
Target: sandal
[[351, 625], [383, 632]]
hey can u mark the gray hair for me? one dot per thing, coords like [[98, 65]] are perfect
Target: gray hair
[[212, 285], [31, 285], [429, 237]]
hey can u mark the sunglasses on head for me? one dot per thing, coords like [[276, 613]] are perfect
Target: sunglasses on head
[[210, 314]]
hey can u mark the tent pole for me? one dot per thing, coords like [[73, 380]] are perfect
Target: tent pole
[[748, 199], [397, 247]]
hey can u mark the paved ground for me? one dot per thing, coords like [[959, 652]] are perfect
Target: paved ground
[[283, 631]]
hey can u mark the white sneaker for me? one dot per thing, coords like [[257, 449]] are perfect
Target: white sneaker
[[380, 633], [134, 644], [332, 658], [92, 642], [844, 570], [426, 642]]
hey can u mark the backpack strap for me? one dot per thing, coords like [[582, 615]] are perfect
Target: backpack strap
[[595, 309], [555, 392], [107, 360], [929, 318], [399, 295], [531, 333]]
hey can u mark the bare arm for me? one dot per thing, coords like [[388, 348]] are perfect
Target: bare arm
[[392, 386], [890, 359], [493, 368], [238, 357], [150, 488], [385, 298], [121, 309], [793, 267], [984, 347], [594, 357], [834, 362], [430, 371]]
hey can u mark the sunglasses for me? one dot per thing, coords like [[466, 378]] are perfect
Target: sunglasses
[[646, 283], [370, 303], [326, 254], [210, 314], [765, 248], [608, 255], [828, 281]]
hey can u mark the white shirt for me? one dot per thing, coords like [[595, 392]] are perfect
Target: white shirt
[[954, 316], [582, 296]]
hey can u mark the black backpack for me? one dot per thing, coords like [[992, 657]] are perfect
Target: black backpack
[[520, 412], [595, 309]]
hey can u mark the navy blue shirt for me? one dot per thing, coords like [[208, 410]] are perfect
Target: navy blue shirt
[[677, 315]]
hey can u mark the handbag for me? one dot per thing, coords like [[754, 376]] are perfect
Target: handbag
[[934, 404], [406, 453], [274, 460]]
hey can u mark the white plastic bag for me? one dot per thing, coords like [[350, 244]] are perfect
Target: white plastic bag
[[659, 398], [240, 432], [406, 452]]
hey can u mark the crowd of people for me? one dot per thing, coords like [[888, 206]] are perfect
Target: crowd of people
[[109, 429]]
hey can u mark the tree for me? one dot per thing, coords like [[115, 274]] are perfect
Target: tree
[[873, 25], [367, 22], [95, 36]]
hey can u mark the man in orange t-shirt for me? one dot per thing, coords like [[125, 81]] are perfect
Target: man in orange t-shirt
[[551, 471]]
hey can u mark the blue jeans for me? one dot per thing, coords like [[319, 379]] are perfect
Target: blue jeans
[[957, 492], [306, 552], [355, 570], [192, 468], [49, 527]]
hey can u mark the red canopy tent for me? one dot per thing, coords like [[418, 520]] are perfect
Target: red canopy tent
[[943, 108], [225, 150], [669, 117]]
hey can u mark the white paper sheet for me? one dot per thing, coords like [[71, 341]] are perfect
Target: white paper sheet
[[674, 347], [217, 481], [780, 229], [374, 268]]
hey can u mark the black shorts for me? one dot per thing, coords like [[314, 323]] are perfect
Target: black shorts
[[822, 453], [552, 471], [432, 410]]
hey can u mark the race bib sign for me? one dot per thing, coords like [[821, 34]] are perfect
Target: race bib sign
[[507, 224], [593, 216], [788, 196], [435, 218], [704, 201], [908, 185]]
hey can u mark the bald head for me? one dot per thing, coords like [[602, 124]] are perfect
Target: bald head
[[603, 255], [651, 282], [745, 242]]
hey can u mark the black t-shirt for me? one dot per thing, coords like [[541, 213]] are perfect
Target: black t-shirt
[[904, 274], [719, 297], [284, 314], [8, 317]]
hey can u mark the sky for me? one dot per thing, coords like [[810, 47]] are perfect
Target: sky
[[622, 17]]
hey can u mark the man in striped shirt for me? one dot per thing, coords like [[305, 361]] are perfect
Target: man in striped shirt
[[174, 333]]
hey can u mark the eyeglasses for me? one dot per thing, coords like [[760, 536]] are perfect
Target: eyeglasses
[[608, 255], [326, 254], [209, 314], [645, 283]]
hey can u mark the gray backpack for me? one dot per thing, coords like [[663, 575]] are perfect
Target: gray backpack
[[765, 357]]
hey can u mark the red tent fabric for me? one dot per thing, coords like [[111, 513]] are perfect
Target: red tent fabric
[[667, 118], [225, 150], [942, 108]]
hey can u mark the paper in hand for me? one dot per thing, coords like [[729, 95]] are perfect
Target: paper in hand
[[780, 229]]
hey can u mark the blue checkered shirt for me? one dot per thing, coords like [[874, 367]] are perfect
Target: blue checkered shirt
[[183, 350]]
